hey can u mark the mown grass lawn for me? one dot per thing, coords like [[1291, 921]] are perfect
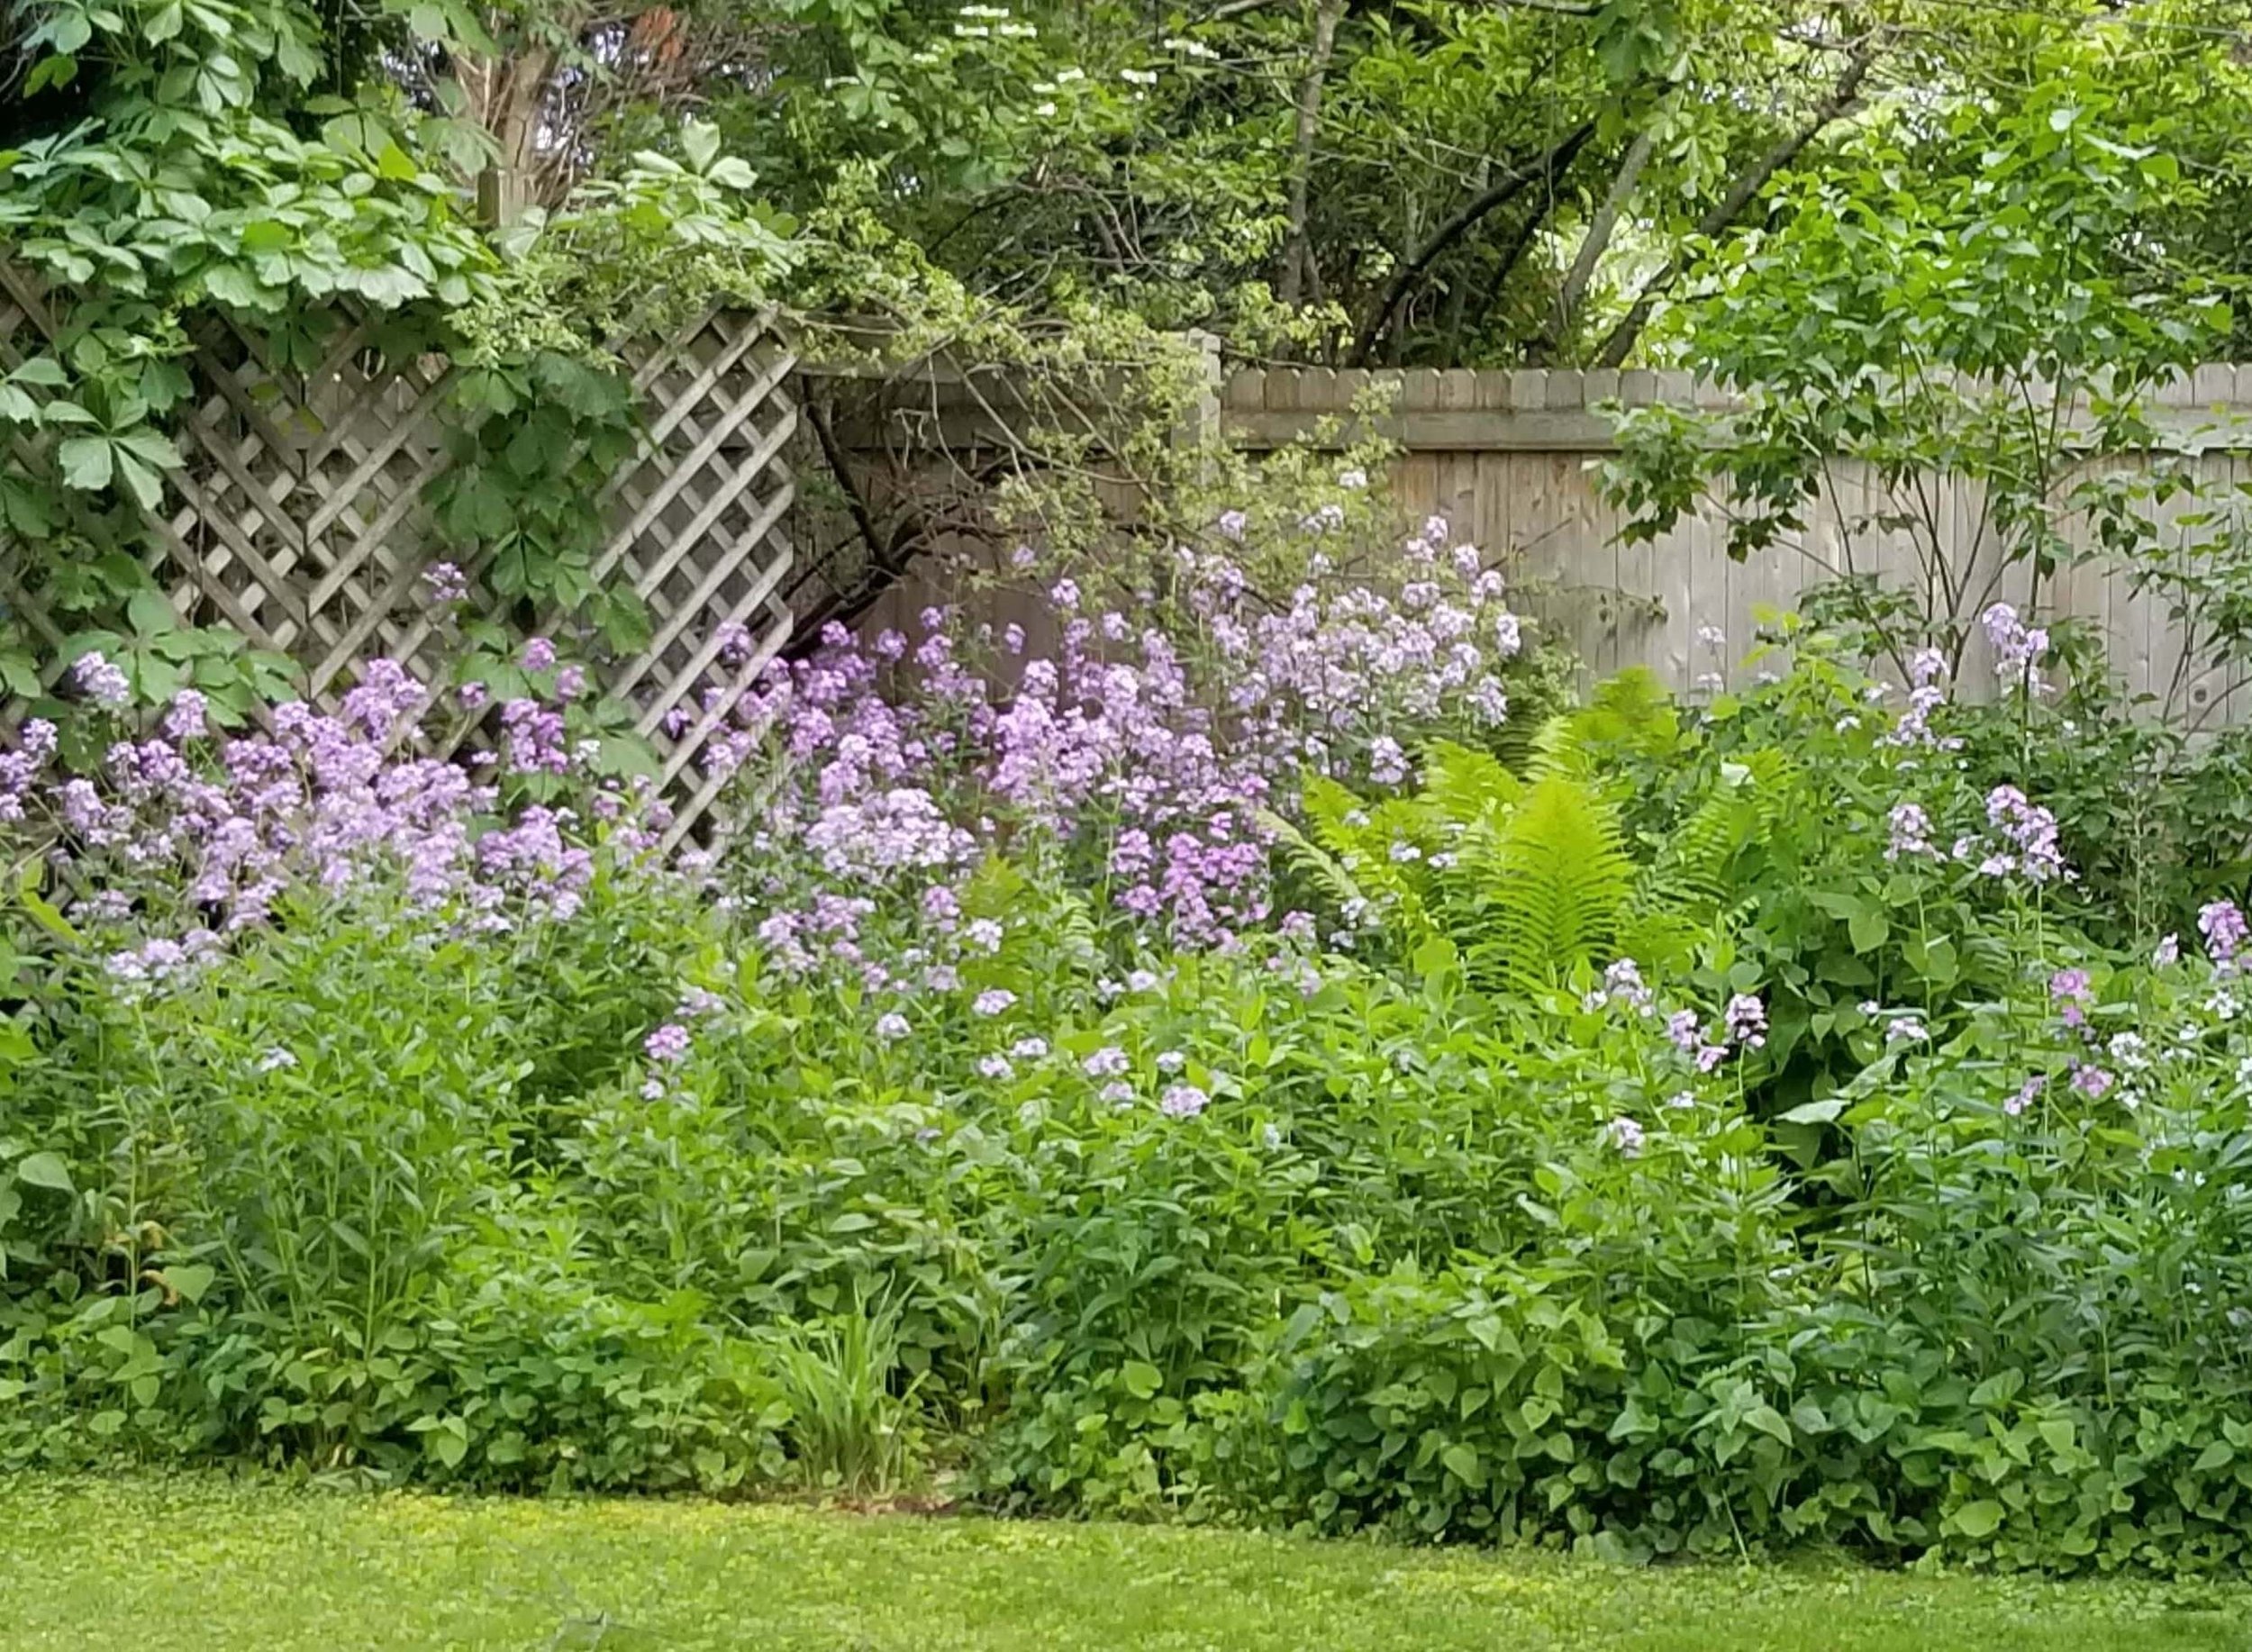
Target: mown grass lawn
[[179, 1565]]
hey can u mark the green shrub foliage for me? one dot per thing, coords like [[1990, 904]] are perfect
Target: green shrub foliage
[[1656, 1131]]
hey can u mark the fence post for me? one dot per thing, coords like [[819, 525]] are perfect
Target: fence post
[[1199, 429]]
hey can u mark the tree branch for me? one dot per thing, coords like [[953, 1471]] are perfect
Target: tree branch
[[1511, 185], [1296, 254], [1841, 100], [1600, 230]]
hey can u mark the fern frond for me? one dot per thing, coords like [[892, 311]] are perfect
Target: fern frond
[[1550, 884], [1319, 867], [1630, 712]]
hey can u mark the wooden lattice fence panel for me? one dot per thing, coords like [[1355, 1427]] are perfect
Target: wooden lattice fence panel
[[298, 517]]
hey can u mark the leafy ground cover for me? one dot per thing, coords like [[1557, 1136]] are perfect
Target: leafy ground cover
[[196, 1562]]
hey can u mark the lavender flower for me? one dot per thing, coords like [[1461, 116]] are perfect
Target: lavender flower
[[444, 583], [100, 681], [539, 654], [1746, 1019], [993, 1000], [892, 1026], [1109, 1062], [1910, 836], [2018, 648], [1626, 1136], [996, 1066], [2222, 925], [669, 1043], [2029, 831], [1182, 1101], [186, 720]]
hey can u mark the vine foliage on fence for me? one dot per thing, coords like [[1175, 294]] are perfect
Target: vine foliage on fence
[[232, 251]]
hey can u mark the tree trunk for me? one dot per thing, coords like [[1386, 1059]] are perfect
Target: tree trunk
[[1592, 246], [1297, 254], [1841, 99]]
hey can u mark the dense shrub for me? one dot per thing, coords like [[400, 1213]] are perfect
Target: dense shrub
[[1234, 1072]]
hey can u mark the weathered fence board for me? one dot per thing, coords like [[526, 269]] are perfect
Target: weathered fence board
[[1509, 456], [299, 518]]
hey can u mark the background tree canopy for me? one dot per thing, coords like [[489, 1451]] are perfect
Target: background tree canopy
[[1436, 183]]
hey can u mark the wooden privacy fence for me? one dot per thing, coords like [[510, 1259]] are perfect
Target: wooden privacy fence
[[299, 515], [1507, 457]]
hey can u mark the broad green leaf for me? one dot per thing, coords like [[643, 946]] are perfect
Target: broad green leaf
[[151, 613], [86, 463], [1977, 1520], [45, 1170], [1463, 1462], [190, 1279], [1815, 1113]]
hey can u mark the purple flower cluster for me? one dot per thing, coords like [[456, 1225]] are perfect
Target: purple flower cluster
[[1148, 766], [445, 583], [100, 681], [1927, 693], [2222, 925], [2018, 648], [2029, 838], [185, 836], [1911, 834], [1182, 1101]]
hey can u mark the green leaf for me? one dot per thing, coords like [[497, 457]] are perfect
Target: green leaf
[[2219, 1454], [699, 142], [43, 914], [190, 1279], [230, 284], [1140, 1379], [45, 1170], [396, 164], [1977, 1520], [1771, 1421], [1464, 1463], [1815, 1113], [86, 463], [1869, 930], [151, 613]]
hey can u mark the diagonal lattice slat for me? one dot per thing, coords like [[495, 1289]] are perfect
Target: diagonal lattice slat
[[298, 517]]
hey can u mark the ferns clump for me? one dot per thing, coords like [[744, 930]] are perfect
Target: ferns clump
[[1533, 876]]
